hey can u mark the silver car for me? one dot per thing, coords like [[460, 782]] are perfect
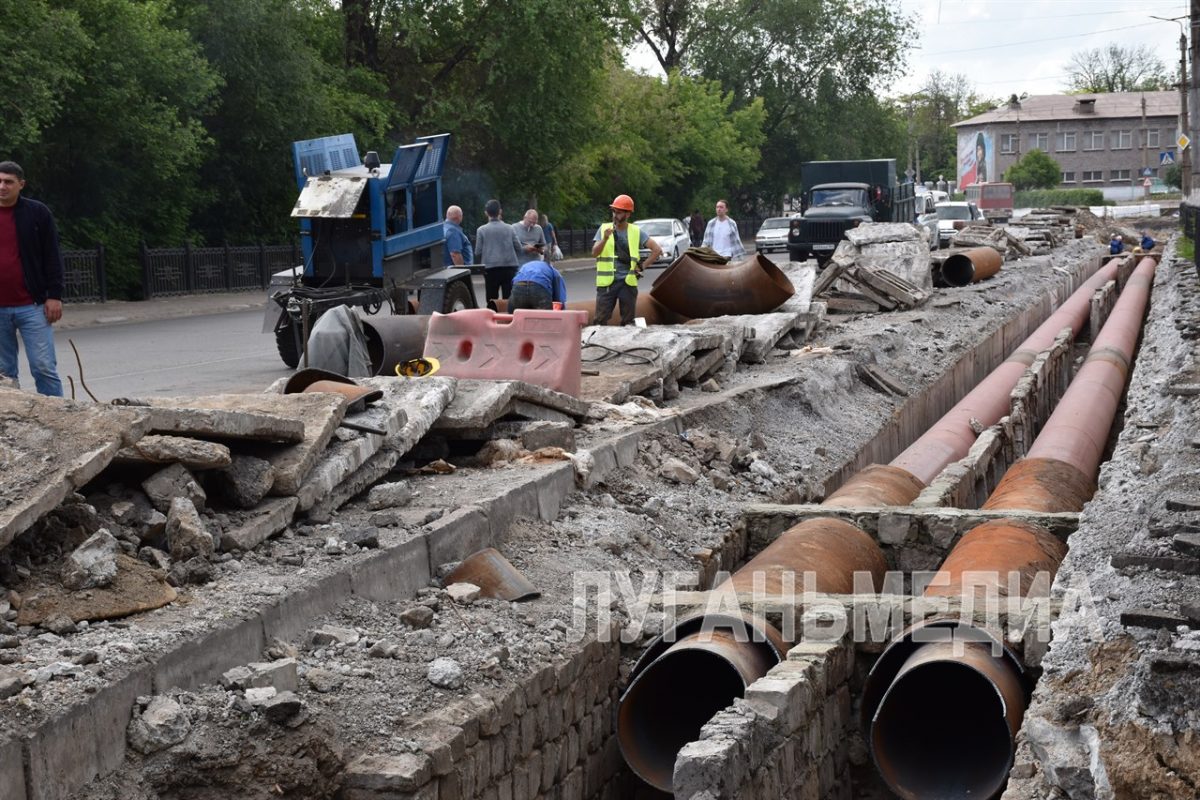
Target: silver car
[[671, 235], [772, 235]]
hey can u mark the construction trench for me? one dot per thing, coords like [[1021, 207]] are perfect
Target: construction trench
[[336, 655]]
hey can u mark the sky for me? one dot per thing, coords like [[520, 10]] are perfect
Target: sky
[[1007, 47]]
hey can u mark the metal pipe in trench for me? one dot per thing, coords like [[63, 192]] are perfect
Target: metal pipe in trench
[[651, 728], [951, 437], [975, 733], [970, 266]]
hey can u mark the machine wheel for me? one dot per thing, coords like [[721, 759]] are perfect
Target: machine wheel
[[458, 298], [286, 342]]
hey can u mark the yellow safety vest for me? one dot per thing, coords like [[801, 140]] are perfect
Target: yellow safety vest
[[606, 262]]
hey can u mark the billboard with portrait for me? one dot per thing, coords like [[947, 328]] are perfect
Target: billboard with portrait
[[976, 158]]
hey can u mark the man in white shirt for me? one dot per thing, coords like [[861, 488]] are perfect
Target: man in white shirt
[[722, 234]]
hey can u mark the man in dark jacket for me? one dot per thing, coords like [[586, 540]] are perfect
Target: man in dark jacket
[[31, 282]]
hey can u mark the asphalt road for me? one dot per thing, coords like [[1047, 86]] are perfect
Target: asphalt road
[[207, 354]]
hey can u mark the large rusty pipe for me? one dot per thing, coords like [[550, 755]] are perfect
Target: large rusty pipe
[[996, 559], [675, 689], [698, 289], [712, 661], [951, 437], [392, 340], [970, 266]]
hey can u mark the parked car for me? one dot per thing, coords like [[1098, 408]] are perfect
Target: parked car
[[772, 235], [927, 219], [671, 235], [953, 211]]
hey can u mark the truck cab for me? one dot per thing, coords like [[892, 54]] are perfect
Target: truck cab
[[841, 195]]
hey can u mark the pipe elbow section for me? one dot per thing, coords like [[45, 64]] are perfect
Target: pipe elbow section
[[697, 289]]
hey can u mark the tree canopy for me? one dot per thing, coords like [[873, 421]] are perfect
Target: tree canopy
[[1116, 68], [1034, 170], [163, 121]]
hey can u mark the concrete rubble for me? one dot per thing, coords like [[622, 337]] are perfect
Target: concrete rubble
[[305, 642]]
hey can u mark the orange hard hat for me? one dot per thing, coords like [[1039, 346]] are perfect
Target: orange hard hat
[[623, 203]]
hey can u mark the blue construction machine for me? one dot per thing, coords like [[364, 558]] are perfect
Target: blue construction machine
[[371, 235]]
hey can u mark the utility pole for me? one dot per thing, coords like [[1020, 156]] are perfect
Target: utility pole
[[1145, 146], [1192, 89], [1185, 128], [1185, 163]]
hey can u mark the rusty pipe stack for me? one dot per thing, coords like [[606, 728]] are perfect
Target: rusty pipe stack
[[703, 663], [975, 733], [649, 726]]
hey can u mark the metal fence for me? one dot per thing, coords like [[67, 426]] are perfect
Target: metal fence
[[180, 270], [1189, 219]]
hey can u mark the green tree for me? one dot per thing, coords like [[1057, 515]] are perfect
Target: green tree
[[930, 112], [671, 145], [43, 45], [1114, 68], [1034, 170], [120, 162], [1173, 176], [815, 64], [281, 80]]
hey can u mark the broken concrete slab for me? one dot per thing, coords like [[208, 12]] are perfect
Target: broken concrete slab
[[344, 456], [191, 453], [426, 399], [172, 482], [375, 468], [478, 403], [803, 275], [669, 347], [186, 417], [187, 537], [137, 587], [876, 232], [50, 447], [270, 518], [93, 563], [905, 259], [246, 481], [319, 412], [767, 330]]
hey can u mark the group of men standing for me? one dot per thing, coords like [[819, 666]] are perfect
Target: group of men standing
[[517, 266]]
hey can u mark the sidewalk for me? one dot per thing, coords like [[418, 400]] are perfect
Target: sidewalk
[[116, 312]]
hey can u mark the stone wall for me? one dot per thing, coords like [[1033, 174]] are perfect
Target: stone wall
[[552, 736], [787, 738]]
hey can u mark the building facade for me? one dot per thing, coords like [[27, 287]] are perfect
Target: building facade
[[1103, 141]]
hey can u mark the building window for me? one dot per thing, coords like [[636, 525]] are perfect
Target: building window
[[1065, 142], [1093, 140], [1120, 175], [1068, 177], [1093, 175], [1122, 140], [1153, 137], [1008, 143], [1039, 141]]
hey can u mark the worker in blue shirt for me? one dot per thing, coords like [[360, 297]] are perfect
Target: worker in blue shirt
[[1116, 245], [538, 285], [457, 251], [1147, 242]]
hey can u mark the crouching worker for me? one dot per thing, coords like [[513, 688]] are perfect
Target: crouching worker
[[538, 285]]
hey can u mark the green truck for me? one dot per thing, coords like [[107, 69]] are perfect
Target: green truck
[[840, 195]]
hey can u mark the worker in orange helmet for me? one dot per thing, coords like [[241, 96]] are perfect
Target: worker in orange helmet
[[618, 265]]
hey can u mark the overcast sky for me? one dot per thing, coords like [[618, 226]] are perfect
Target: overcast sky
[[1025, 46]]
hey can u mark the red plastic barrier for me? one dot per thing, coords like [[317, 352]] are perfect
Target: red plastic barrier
[[539, 347]]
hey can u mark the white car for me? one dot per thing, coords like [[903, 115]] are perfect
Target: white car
[[671, 235], [772, 235], [927, 219], [955, 211]]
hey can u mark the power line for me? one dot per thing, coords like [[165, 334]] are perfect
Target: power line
[[1034, 41]]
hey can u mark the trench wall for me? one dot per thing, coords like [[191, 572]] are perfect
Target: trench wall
[[787, 738], [551, 736]]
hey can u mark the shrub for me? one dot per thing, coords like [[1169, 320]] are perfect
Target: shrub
[[1040, 198]]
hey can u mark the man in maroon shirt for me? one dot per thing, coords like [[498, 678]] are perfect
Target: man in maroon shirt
[[31, 282]]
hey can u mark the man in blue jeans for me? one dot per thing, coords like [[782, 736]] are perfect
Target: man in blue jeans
[[31, 282]]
